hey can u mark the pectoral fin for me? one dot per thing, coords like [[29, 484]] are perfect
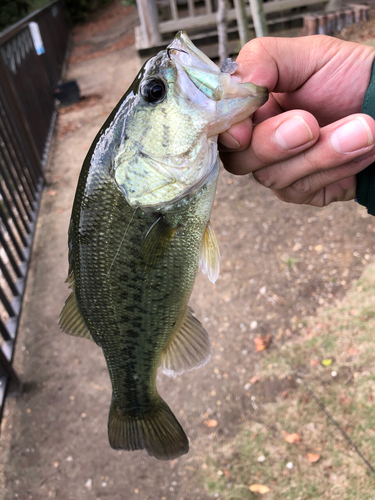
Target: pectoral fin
[[156, 242], [209, 261], [72, 321], [190, 347]]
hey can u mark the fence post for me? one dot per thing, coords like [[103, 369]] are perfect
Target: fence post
[[259, 18], [242, 22], [148, 15]]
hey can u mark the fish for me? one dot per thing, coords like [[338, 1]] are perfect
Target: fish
[[140, 229]]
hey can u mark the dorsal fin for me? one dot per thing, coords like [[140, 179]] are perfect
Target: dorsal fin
[[209, 261], [190, 347], [71, 320]]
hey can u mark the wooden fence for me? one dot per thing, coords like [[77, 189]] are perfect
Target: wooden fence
[[160, 19]]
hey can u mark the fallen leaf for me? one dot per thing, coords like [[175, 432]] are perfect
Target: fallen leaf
[[259, 488], [51, 192], [262, 343], [326, 362], [314, 362], [96, 386], [318, 248], [354, 312], [210, 423], [313, 457], [352, 351], [226, 473], [292, 438], [254, 380]]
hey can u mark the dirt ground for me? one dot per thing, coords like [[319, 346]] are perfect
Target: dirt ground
[[279, 264]]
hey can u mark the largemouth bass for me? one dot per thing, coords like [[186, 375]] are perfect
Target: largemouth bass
[[139, 230]]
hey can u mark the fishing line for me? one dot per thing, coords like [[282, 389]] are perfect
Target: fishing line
[[114, 258], [347, 438], [121, 242]]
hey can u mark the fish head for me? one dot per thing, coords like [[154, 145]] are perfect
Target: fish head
[[183, 101]]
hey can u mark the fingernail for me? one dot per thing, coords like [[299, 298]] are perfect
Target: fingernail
[[292, 133], [352, 136], [228, 141]]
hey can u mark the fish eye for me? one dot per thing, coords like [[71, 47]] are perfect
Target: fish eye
[[153, 90]]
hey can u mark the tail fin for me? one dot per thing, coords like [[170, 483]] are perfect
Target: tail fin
[[158, 432]]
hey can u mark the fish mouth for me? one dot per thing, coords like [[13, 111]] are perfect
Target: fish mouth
[[206, 75], [190, 53]]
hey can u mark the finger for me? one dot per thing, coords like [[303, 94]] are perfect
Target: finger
[[343, 190], [322, 188], [340, 144], [238, 137], [268, 110], [273, 141]]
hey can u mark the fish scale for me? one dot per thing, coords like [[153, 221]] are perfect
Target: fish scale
[[139, 231]]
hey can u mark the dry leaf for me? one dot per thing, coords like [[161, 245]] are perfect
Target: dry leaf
[[262, 343], [254, 380], [292, 438], [354, 312], [318, 248], [313, 457], [96, 386], [210, 423], [51, 192], [259, 488]]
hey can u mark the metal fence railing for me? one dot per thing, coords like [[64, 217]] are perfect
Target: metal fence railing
[[32, 55]]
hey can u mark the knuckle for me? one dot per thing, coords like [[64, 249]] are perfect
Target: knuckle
[[302, 186], [282, 194], [264, 176]]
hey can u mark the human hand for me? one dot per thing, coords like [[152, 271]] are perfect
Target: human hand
[[309, 140]]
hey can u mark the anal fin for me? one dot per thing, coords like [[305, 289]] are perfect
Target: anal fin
[[189, 348], [71, 320], [209, 261]]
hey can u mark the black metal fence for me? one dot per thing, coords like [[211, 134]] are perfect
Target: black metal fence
[[32, 56]]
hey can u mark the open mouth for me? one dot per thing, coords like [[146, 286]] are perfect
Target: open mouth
[[207, 77]]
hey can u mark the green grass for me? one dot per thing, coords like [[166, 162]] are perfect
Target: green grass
[[345, 334], [290, 261]]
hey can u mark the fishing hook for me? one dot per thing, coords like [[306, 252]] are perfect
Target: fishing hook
[[169, 49]]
